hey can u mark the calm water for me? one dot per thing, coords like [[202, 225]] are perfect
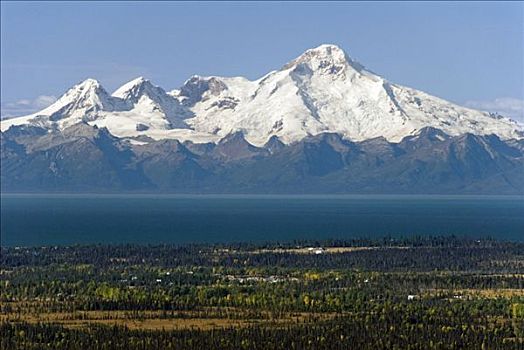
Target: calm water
[[69, 219]]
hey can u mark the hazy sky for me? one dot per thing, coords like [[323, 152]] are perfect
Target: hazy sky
[[470, 53]]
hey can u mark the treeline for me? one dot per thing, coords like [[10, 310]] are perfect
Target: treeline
[[419, 253]]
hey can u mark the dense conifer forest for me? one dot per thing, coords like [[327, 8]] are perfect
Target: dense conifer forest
[[416, 293]]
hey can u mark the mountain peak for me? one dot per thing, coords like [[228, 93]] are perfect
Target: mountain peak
[[326, 57], [138, 81], [89, 82], [81, 102], [133, 89], [86, 86], [327, 50], [87, 90], [194, 88], [148, 98]]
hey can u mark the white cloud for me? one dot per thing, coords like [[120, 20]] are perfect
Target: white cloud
[[44, 101], [506, 106], [25, 106], [21, 103]]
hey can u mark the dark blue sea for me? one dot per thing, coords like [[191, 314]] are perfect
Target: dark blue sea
[[35, 220]]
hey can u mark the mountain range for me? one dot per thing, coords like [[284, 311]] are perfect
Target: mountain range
[[323, 123]]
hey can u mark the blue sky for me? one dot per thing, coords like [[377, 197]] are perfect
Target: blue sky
[[469, 53]]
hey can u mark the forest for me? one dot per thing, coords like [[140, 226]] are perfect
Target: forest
[[388, 293]]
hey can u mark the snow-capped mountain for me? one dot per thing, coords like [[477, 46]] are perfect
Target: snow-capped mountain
[[83, 102], [146, 99], [321, 91]]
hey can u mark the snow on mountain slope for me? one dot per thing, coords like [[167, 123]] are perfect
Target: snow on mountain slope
[[138, 107], [323, 90], [146, 98], [148, 110], [83, 102]]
